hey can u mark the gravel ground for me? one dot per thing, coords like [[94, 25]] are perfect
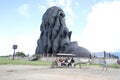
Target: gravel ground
[[29, 72]]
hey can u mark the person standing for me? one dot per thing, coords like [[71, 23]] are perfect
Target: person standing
[[72, 62], [105, 65]]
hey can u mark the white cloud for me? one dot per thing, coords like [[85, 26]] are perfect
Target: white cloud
[[70, 14], [69, 21], [42, 9], [102, 30], [61, 2], [77, 4], [69, 10], [51, 3], [26, 43], [56, 3], [24, 10], [6, 48], [66, 5]]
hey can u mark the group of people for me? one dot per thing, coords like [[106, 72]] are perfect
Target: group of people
[[68, 62]]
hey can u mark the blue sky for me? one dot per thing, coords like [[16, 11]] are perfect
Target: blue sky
[[94, 23]]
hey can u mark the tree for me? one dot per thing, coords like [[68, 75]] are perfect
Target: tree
[[20, 54]]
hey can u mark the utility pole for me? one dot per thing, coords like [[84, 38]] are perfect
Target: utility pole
[[104, 54]]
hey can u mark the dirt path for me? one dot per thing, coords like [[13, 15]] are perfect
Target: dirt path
[[28, 72]]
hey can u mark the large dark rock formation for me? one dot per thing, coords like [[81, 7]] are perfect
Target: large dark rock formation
[[55, 37]]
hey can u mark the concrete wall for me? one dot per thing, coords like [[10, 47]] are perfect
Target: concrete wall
[[79, 59], [75, 58], [100, 60]]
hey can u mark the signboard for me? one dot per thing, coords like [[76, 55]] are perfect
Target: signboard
[[14, 46]]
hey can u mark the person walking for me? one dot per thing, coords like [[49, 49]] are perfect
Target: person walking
[[105, 65]]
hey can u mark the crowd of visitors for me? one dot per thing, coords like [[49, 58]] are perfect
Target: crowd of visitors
[[68, 62]]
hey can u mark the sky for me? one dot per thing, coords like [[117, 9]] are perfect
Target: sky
[[94, 23]]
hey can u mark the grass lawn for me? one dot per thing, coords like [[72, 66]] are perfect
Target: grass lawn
[[116, 66], [6, 60]]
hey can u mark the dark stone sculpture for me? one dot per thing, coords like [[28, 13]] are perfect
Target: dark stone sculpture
[[55, 36]]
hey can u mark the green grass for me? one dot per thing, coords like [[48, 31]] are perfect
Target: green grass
[[5, 60], [116, 66]]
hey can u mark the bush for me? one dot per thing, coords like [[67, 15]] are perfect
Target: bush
[[20, 54]]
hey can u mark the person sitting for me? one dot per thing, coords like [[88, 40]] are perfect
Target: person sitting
[[58, 63], [69, 62], [63, 63]]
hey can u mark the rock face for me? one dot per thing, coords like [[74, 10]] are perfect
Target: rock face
[[55, 37]]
